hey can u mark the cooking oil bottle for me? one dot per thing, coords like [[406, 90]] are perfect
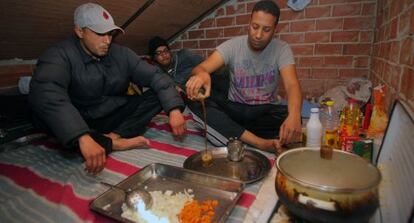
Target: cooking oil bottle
[[351, 117], [330, 124]]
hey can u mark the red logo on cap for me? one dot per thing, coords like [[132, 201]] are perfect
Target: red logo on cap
[[105, 15]]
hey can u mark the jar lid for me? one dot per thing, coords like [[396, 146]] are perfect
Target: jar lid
[[344, 172]]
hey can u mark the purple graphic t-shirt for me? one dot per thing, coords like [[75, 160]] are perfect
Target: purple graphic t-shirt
[[254, 76]]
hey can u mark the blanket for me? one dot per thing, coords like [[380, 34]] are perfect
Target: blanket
[[41, 182]]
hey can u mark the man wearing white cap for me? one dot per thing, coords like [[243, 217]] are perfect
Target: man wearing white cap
[[78, 91]]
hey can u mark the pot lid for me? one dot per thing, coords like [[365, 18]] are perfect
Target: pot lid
[[345, 172]]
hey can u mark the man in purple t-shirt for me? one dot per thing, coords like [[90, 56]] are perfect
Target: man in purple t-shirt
[[250, 110]]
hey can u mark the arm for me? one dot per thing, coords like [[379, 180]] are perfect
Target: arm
[[164, 87], [201, 75], [291, 127]]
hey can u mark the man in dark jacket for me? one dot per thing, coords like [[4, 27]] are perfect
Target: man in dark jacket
[[178, 64], [79, 89]]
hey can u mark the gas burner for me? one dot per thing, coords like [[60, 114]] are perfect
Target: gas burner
[[282, 215]]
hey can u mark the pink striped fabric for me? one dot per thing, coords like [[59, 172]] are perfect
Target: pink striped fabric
[[61, 193]]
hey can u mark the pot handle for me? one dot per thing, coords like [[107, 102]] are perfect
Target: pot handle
[[326, 205]]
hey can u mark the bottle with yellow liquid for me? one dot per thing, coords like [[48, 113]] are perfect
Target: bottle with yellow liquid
[[330, 124]]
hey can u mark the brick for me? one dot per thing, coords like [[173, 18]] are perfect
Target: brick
[[282, 27], [302, 26], [235, 9], [350, 73], [347, 10], [407, 52], [250, 5], [361, 62], [329, 84], [346, 36], [368, 9], [394, 51], [293, 38], [281, 3], [289, 15], [338, 61], [366, 36], [404, 24], [234, 31], [190, 44], [207, 43], [312, 88], [310, 61], [323, 73], [303, 73], [395, 8], [220, 41], [412, 20], [317, 12], [207, 23], [393, 28], [214, 33], [328, 49], [407, 83], [357, 49], [176, 45], [360, 23], [197, 34], [302, 49], [329, 24], [219, 12], [242, 19], [324, 2], [317, 37], [228, 21]]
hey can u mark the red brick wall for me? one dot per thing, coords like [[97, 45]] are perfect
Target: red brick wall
[[331, 39], [393, 50]]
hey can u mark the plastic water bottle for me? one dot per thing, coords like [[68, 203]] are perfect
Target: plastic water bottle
[[314, 129], [330, 123]]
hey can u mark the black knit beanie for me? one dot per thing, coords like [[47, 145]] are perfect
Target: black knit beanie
[[154, 43]]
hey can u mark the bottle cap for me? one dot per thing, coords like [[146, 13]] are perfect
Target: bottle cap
[[314, 110]]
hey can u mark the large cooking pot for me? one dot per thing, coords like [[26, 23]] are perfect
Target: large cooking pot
[[342, 187]]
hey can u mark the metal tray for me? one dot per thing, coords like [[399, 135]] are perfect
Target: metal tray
[[161, 177], [253, 167]]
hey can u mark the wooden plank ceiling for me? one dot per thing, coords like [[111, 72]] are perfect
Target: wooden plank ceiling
[[30, 26]]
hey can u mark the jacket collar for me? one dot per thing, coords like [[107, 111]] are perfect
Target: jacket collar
[[86, 58]]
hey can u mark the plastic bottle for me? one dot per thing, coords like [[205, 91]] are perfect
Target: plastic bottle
[[330, 123], [351, 118], [314, 129]]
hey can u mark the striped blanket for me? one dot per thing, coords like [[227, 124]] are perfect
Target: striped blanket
[[41, 183]]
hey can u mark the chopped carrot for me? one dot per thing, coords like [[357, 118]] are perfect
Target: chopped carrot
[[194, 212]]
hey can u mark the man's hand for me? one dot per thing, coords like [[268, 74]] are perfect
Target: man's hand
[[177, 122], [195, 83], [93, 154], [291, 130]]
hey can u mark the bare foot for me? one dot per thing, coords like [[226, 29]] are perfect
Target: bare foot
[[131, 143]]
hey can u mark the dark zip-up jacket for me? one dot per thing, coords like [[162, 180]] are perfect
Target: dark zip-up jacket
[[69, 85]]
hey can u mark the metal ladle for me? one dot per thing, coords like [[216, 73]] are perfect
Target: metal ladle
[[132, 196]]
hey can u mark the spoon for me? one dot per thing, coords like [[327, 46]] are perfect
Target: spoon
[[133, 196]]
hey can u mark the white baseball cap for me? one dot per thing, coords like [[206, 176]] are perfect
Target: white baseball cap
[[94, 17]]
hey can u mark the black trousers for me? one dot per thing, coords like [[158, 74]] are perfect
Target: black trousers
[[128, 121], [227, 119], [131, 119]]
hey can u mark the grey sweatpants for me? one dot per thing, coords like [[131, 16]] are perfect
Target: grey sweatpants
[[227, 119]]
